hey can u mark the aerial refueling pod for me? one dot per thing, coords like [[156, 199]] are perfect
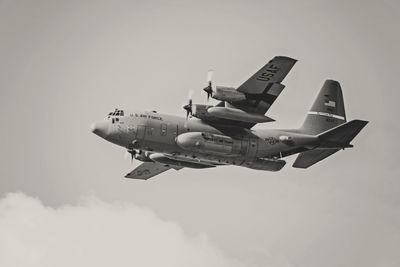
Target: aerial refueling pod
[[228, 94], [208, 143]]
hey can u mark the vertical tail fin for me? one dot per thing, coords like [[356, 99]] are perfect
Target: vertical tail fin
[[327, 111]]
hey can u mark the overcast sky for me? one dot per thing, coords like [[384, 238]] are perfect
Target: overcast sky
[[65, 64]]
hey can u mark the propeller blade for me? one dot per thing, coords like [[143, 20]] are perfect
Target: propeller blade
[[209, 75], [209, 89], [187, 118], [127, 155], [130, 153], [190, 94], [188, 107]]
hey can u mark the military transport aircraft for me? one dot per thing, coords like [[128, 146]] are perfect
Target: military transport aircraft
[[219, 135]]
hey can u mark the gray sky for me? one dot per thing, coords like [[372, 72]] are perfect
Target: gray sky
[[65, 64]]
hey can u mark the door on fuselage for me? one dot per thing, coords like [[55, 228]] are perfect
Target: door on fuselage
[[249, 147], [132, 131], [136, 133], [140, 132], [163, 129], [167, 135]]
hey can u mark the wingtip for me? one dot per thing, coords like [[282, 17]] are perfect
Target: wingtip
[[287, 58], [362, 122], [332, 81]]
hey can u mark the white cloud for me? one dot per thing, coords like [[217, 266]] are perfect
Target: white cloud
[[96, 233]]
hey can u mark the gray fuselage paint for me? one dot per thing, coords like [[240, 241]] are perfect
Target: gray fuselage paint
[[157, 133]]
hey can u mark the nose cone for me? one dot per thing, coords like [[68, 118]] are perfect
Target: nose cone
[[100, 128]]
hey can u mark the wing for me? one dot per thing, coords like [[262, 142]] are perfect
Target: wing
[[147, 170], [260, 92], [264, 86]]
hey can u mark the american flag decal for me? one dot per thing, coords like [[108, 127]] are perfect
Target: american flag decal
[[330, 103]]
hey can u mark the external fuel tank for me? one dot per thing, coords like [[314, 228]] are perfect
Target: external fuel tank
[[209, 143]]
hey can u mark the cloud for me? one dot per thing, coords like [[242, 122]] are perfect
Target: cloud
[[96, 233]]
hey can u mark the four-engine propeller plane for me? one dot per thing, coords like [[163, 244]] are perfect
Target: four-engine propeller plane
[[222, 134]]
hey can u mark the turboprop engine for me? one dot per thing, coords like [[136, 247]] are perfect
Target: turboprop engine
[[209, 143]]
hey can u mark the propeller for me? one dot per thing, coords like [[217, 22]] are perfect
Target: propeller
[[188, 107], [131, 153], [209, 89]]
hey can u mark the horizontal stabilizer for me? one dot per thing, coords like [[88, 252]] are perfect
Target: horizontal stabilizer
[[308, 158], [331, 142], [341, 135]]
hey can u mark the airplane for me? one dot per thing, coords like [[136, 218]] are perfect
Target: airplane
[[223, 134]]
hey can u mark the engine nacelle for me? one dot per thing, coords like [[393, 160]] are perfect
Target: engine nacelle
[[208, 143], [228, 94], [238, 115], [200, 111], [207, 112]]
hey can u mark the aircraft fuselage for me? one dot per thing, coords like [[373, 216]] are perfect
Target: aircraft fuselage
[[224, 133], [199, 142]]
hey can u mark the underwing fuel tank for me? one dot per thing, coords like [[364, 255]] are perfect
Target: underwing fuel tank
[[266, 164], [209, 143], [160, 158]]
